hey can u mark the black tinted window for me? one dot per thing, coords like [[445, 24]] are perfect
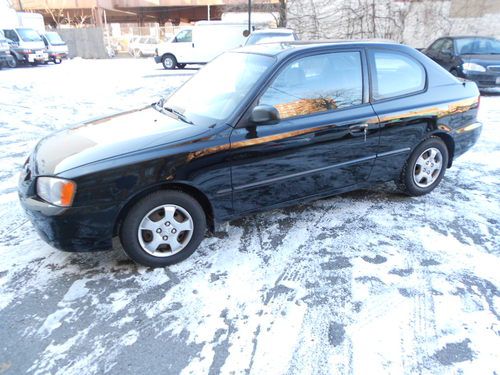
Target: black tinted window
[[317, 84], [436, 46], [10, 34], [447, 46], [396, 74], [478, 46]]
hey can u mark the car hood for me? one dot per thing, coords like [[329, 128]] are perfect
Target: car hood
[[484, 60], [32, 45], [109, 137]]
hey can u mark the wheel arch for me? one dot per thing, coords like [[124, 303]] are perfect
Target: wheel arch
[[450, 145], [165, 54], [179, 186]]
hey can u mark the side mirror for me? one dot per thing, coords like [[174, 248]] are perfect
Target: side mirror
[[265, 115]]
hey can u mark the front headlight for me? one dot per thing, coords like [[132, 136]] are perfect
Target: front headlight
[[57, 191], [473, 67]]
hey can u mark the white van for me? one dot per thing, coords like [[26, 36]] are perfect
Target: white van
[[200, 43], [26, 46]]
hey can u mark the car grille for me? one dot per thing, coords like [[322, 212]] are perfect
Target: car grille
[[494, 68]]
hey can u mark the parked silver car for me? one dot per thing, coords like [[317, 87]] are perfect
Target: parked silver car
[[143, 46], [56, 47], [270, 36]]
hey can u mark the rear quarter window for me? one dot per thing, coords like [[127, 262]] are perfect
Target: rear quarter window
[[395, 74]]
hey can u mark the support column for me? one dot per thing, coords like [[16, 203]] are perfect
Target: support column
[[99, 15]]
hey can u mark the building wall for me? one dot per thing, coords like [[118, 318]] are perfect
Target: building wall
[[413, 22]]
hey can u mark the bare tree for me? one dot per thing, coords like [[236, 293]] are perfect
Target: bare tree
[[277, 10], [401, 21]]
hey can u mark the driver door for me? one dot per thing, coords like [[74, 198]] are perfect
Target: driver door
[[326, 140], [183, 46]]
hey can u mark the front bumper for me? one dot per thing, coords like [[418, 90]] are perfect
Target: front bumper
[[57, 55], [484, 80], [74, 229], [35, 57], [157, 59]]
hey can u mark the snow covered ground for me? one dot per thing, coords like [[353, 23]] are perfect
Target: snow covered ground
[[369, 282]]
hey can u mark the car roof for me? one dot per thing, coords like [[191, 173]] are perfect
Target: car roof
[[273, 31], [468, 37], [289, 47]]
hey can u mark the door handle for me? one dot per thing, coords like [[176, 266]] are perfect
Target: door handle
[[358, 128], [355, 130]]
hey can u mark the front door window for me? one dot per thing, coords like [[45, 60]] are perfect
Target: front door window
[[315, 84]]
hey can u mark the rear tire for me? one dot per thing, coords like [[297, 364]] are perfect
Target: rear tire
[[153, 247], [425, 168], [57, 60], [169, 61], [181, 66]]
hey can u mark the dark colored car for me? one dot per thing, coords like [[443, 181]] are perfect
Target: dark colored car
[[471, 57], [261, 127]]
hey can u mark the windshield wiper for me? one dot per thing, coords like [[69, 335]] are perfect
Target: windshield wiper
[[159, 106], [179, 115]]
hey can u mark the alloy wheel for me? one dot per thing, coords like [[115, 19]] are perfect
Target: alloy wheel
[[427, 167], [165, 230], [168, 63]]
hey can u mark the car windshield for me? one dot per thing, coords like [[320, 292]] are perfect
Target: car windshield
[[218, 88], [478, 46], [54, 39], [29, 35]]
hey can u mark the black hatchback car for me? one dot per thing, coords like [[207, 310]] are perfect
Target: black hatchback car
[[471, 57], [258, 128]]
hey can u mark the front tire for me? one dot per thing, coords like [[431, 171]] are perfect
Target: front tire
[[163, 228], [169, 62], [12, 63], [425, 167]]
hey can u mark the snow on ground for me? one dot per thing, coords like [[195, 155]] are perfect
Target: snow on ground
[[369, 282]]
